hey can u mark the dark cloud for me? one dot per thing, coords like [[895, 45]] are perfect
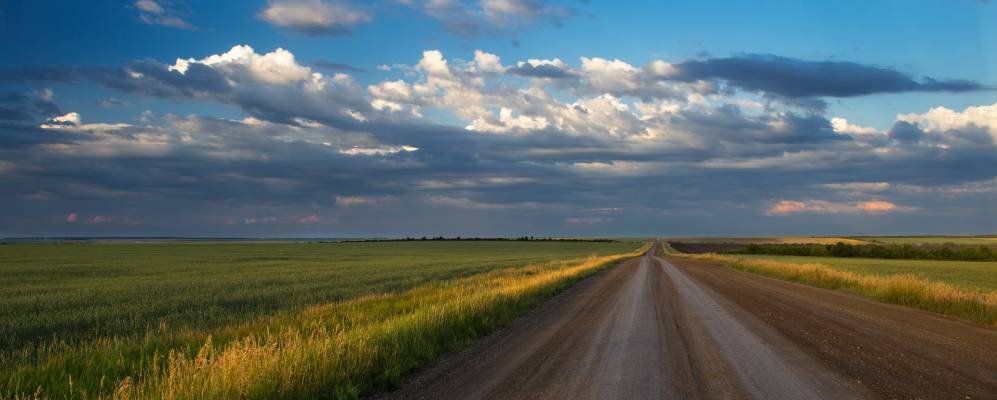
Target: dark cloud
[[23, 107], [794, 78], [905, 132], [548, 71], [696, 168]]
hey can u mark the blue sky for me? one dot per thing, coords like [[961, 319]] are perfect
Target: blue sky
[[411, 117]]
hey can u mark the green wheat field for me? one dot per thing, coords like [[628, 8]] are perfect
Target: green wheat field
[[261, 320]]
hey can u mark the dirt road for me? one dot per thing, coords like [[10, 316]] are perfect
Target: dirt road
[[653, 328]]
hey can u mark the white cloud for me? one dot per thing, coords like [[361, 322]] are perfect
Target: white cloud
[[487, 62], [610, 76], [72, 118], [313, 17], [377, 151], [841, 125], [73, 122], [277, 67], [507, 122], [942, 119]]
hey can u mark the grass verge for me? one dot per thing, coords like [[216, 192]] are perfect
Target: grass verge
[[902, 289], [337, 350]]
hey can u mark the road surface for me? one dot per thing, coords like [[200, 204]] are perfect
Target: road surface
[[656, 328]]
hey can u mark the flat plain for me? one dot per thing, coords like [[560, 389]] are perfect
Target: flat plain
[[963, 240], [250, 320]]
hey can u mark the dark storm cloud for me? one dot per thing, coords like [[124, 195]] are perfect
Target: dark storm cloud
[[794, 78]]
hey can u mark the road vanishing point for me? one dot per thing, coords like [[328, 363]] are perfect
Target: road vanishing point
[[662, 328]]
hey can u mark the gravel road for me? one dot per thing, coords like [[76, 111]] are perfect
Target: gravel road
[[657, 328]]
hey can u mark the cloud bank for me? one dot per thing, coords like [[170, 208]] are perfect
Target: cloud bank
[[486, 146]]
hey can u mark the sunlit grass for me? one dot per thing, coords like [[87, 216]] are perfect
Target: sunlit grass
[[969, 275], [904, 289], [963, 240], [81, 291], [335, 350], [771, 240]]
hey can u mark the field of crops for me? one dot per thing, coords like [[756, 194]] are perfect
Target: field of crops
[[768, 239], [963, 240], [975, 275], [163, 320]]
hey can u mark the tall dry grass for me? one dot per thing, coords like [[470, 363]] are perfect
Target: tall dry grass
[[902, 289], [340, 350]]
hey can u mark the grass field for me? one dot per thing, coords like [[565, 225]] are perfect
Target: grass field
[[955, 288], [963, 240], [975, 275], [275, 320], [769, 240]]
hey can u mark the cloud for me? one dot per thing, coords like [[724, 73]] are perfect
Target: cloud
[[505, 12], [313, 17], [785, 207], [841, 125], [905, 132], [377, 151], [794, 78], [161, 13], [494, 17], [860, 186], [100, 219], [549, 69], [349, 201], [877, 206], [941, 119], [110, 102], [310, 219], [70, 119], [587, 220], [331, 66], [448, 135]]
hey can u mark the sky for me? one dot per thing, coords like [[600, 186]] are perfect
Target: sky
[[393, 118]]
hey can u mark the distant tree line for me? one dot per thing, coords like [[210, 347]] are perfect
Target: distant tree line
[[891, 251], [475, 239]]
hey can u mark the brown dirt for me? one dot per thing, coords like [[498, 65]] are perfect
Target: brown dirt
[[653, 328]]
